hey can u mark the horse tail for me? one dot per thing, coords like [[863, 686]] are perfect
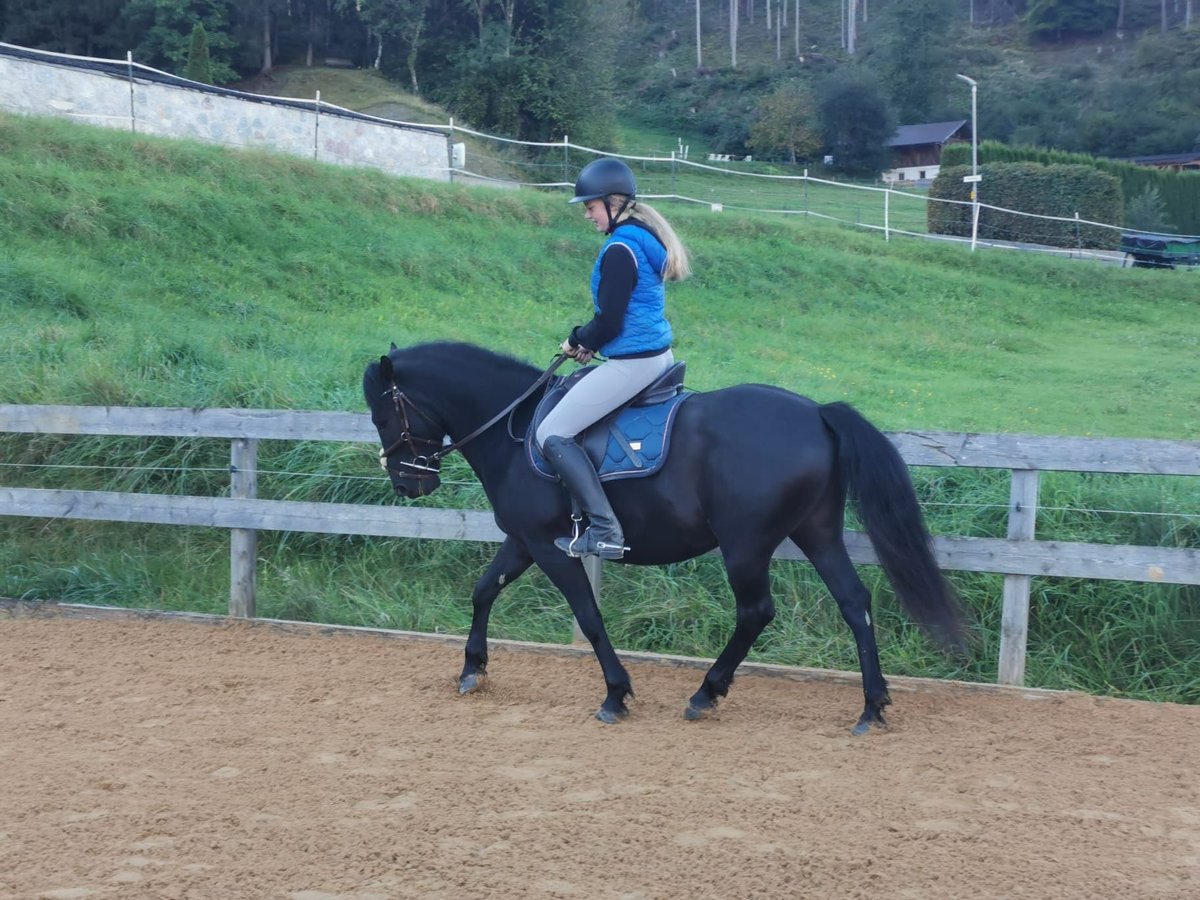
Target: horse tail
[[880, 487]]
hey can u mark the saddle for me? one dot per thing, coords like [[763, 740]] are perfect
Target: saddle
[[631, 441]]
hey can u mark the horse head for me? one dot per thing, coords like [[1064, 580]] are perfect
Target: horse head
[[411, 435]]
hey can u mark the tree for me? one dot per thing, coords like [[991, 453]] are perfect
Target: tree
[[856, 124], [199, 65], [785, 121], [1147, 212], [64, 26], [388, 19], [162, 30], [910, 53], [733, 33], [568, 81], [1056, 19], [479, 9], [851, 26], [509, 10]]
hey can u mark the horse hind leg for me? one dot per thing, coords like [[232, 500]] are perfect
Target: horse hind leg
[[827, 553], [749, 577]]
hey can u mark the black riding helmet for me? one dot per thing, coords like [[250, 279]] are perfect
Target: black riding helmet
[[602, 178]]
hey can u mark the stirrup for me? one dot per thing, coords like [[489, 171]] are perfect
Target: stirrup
[[581, 545]]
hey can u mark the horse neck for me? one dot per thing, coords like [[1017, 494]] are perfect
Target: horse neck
[[469, 398]]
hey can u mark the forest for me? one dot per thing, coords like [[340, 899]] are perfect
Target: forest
[[783, 80]]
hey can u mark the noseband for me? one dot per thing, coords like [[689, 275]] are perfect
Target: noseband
[[426, 465], [423, 465]]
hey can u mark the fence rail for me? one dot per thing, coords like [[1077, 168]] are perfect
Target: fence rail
[[1019, 557]]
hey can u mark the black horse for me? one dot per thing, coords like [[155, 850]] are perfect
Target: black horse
[[750, 467]]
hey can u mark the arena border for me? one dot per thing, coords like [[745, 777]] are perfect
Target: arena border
[[14, 608]]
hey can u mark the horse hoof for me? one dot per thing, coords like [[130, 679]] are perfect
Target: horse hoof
[[469, 684], [608, 717], [695, 713], [863, 726]]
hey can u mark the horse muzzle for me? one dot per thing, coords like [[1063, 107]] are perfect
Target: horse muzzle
[[412, 487]]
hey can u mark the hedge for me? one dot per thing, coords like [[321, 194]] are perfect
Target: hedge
[[1046, 190], [1180, 191]]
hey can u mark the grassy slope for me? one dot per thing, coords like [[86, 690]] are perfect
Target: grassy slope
[[138, 271], [363, 90], [127, 258]]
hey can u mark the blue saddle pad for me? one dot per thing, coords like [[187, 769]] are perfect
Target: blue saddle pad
[[632, 443]]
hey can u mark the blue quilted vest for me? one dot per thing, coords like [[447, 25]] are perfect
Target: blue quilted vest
[[646, 327]]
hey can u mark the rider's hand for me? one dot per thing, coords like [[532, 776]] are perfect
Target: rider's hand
[[581, 355]]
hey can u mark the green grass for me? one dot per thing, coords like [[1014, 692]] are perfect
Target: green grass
[[358, 89], [137, 271]]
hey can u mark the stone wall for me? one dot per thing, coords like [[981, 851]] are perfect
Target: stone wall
[[103, 93]]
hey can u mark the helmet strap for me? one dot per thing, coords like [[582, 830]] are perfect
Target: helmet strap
[[614, 220]]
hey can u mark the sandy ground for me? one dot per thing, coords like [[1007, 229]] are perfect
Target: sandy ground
[[167, 759]]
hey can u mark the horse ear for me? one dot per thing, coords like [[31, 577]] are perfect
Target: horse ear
[[385, 367], [394, 347]]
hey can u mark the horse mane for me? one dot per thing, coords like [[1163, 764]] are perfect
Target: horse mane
[[444, 357], [457, 362]]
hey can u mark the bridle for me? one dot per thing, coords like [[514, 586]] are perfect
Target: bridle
[[424, 465], [427, 465]]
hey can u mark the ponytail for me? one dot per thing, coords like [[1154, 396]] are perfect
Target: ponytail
[[678, 266]]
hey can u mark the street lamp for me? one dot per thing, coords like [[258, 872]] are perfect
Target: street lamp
[[974, 177], [974, 132]]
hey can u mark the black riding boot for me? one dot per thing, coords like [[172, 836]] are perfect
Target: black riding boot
[[603, 536]]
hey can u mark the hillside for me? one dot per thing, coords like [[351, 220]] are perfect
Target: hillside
[[1105, 79], [134, 260], [1113, 93], [1136, 92]]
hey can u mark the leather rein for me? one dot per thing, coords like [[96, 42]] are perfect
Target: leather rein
[[426, 465]]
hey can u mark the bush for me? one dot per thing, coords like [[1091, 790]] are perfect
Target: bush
[[1031, 188], [1180, 191]]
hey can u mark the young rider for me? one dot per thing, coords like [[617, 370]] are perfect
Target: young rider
[[628, 327]]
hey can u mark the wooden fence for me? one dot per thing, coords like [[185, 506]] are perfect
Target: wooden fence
[[1018, 558]]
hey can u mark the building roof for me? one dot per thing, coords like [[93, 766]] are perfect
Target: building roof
[[1189, 160], [928, 133]]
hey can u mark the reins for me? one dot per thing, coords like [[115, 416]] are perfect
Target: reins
[[426, 464]]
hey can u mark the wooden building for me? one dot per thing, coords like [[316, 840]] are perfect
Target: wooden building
[[1176, 162], [917, 149]]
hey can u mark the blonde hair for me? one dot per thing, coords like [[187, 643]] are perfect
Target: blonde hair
[[678, 265]]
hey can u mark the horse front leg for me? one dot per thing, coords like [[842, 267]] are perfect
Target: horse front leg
[[509, 564], [568, 575], [750, 579]]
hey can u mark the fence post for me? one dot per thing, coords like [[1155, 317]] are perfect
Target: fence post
[[317, 126], [132, 107], [887, 197], [1014, 616], [567, 160], [243, 542], [591, 565], [974, 223], [450, 150]]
